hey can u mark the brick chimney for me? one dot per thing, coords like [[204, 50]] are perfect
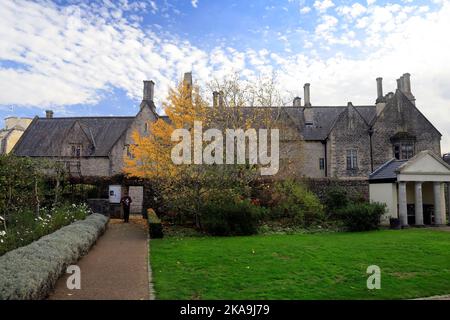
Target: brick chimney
[[307, 95], [149, 90], [49, 114]]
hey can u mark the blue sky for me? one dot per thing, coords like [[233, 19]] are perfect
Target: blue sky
[[80, 57]]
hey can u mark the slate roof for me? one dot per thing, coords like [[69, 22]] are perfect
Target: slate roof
[[387, 171], [324, 118], [44, 137]]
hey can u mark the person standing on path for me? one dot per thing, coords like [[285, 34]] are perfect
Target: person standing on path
[[126, 203]]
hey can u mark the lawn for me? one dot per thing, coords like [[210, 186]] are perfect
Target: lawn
[[413, 263]]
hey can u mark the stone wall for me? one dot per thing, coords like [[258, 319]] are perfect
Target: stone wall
[[354, 188], [141, 124]]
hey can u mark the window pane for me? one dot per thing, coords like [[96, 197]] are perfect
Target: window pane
[[352, 159]]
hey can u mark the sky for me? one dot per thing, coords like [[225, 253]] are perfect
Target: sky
[[81, 58]]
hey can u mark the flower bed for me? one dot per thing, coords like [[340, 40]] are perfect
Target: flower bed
[[30, 272], [25, 226]]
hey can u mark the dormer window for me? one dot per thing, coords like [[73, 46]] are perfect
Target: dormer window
[[403, 150]]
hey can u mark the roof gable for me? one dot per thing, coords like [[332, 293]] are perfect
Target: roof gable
[[400, 98], [45, 137]]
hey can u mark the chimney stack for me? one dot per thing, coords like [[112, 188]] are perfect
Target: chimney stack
[[407, 87], [149, 88], [221, 100], [402, 84], [297, 102], [307, 96], [49, 114], [379, 89], [399, 84], [187, 80], [406, 82], [215, 99]]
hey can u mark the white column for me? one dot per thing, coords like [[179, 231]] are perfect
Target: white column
[[403, 209], [437, 203], [419, 204]]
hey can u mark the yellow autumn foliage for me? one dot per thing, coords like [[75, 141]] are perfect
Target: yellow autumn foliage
[[152, 153]]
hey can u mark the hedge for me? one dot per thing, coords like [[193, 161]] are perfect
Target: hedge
[[154, 225], [31, 272]]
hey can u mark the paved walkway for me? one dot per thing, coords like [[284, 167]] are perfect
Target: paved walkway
[[115, 268]]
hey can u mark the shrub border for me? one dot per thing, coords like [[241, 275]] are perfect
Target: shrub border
[[31, 272]]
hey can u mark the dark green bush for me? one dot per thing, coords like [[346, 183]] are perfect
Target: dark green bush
[[362, 216], [336, 198], [154, 225], [295, 205], [231, 217]]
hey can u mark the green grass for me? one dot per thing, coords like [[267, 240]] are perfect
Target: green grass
[[414, 263]]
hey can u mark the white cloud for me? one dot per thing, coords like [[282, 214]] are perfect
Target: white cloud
[[305, 10], [154, 7], [327, 26], [370, 2], [194, 3], [353, 11], [72, 55], [323, 5]]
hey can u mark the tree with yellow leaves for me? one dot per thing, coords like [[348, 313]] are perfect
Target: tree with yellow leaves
[[152, 153], [185, 188]]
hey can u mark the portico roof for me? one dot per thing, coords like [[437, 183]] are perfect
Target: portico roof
[[425, 166]]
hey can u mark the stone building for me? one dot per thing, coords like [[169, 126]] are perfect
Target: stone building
[[14, 128], [87, 146], [345, 142], [350, 142]]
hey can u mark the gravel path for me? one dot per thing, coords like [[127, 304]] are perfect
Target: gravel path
[[115, 268]]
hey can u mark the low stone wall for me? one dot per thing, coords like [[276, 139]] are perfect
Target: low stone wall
[[30, 272], [354, 188]]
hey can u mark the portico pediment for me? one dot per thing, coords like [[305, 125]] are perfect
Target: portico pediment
[[425, 166]]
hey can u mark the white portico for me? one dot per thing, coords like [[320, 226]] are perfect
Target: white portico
[[413, 190]]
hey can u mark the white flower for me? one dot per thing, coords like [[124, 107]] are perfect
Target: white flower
[[2, 219], [2, 233]]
